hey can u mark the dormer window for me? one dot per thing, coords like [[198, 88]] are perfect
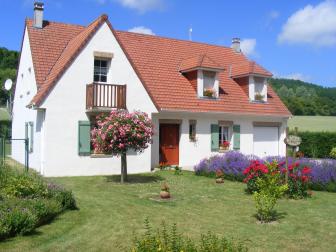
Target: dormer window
[[203, 74], [252, 78]]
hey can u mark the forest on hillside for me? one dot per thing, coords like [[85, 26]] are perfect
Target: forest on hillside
[[8, 65], [303, 98], [300, 97]]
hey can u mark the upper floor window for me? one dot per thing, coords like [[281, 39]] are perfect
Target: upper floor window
[[100, 70], [209, 79]]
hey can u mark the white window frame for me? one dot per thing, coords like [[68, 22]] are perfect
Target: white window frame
[[222, 134], [97, 70]]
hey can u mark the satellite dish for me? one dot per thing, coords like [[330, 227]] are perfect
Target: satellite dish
[[8, 84]]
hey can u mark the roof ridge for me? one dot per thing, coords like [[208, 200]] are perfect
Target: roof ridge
[[57, 22], [176, 39]]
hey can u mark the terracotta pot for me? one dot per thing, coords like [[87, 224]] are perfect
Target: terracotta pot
[[164, 195], [219, 180]]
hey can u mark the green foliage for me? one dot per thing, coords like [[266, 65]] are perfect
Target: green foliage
[[8, 65], [317, 144], [333, 153], [27, 201], [172, 241], [303, 98], [15, 219], [270, 189]]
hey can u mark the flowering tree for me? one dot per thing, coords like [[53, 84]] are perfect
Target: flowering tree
[[120, 131]]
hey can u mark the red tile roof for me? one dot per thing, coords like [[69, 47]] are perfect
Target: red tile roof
[[157, 62], [200, 61], [247, 68]]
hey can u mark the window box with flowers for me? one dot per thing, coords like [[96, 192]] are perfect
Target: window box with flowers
[[225, 145], [259, 97], [209, 92]]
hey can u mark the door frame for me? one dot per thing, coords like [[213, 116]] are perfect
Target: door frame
[[178, 126]]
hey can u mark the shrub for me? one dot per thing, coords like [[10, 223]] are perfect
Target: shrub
[[64, 197], [171, 241], [333, 153], [27, 201], [269, 189], [317, 144], [23, 185], [15, 219], [254, 171]]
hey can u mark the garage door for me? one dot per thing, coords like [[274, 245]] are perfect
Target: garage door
[[266, 141]]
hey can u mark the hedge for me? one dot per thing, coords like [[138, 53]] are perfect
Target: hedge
[[317, 144]]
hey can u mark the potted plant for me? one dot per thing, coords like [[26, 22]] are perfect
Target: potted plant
[[225, 145], [259, 97], [219, 177], [209, 92], [165, 194]]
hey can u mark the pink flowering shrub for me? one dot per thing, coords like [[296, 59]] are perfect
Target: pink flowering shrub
[[120, 131]]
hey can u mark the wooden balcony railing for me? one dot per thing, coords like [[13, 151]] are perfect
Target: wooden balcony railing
[[105, 96]]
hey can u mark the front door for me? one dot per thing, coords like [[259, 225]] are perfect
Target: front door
[[169, 144]]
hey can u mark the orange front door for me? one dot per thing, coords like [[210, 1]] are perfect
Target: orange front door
[[169, 144]]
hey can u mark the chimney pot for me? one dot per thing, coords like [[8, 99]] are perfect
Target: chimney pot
[[38, 15], [236, 45]]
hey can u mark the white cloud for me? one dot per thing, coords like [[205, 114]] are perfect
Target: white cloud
[[142, 5], [315, 25], [273, 14], [248, 46], [293, 76], [142, 29]]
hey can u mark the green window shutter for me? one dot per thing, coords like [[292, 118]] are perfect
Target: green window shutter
[[84, 143], [236, 137], [214, 137]]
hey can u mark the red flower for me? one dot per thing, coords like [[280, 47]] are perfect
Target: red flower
[[304, 179], [306, 170]]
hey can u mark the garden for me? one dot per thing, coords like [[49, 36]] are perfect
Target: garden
[[231, 202]]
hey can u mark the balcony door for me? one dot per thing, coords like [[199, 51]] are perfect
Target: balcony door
[[169, 143]]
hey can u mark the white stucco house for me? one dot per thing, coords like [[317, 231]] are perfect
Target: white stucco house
[[199, 97]]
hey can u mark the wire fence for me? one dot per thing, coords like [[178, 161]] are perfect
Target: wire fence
[[14, 152]]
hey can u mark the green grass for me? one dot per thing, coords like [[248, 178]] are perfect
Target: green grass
[[313, 123], [110, 212]]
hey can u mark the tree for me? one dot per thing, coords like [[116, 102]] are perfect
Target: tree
[[120, 131]]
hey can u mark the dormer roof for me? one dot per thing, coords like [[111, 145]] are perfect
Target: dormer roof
[[248, 68], [201, 61]]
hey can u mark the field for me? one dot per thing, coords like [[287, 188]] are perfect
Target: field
[[4, 115], [109, 214], [313, 123]]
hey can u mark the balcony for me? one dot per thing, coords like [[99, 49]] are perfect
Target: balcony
[[105, 97]]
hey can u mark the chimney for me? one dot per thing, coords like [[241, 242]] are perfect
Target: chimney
[[236, 45], [38, 15]]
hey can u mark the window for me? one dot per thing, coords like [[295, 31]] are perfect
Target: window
[[29, 134], [223, 135], [100, 70], [209, 79], [192, 130]]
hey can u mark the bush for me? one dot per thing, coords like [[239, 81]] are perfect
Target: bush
[[317, 144], [171, 241], [333, 153], [269, 189], [27, 201], [15, 219]]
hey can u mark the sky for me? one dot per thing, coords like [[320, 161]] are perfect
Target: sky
[[292, 39]]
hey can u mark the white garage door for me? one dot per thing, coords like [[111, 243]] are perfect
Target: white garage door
[[266, 141]]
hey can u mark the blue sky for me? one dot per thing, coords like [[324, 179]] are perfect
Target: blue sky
[[293, 39]]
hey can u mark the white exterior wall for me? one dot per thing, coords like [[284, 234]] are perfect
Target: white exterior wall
[[24, 91], [65, 106], [190, 153]]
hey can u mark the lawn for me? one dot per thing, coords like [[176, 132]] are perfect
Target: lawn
[[313, 123], [110, 212]]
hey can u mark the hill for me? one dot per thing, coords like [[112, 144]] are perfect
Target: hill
[[304, 98]]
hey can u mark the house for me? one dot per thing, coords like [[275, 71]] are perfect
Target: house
[[198, 96]]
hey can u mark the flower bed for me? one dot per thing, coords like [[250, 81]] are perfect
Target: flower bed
[[233, 164], [28, 201]]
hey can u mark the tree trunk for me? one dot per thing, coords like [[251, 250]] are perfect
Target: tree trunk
[[123, 167]]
